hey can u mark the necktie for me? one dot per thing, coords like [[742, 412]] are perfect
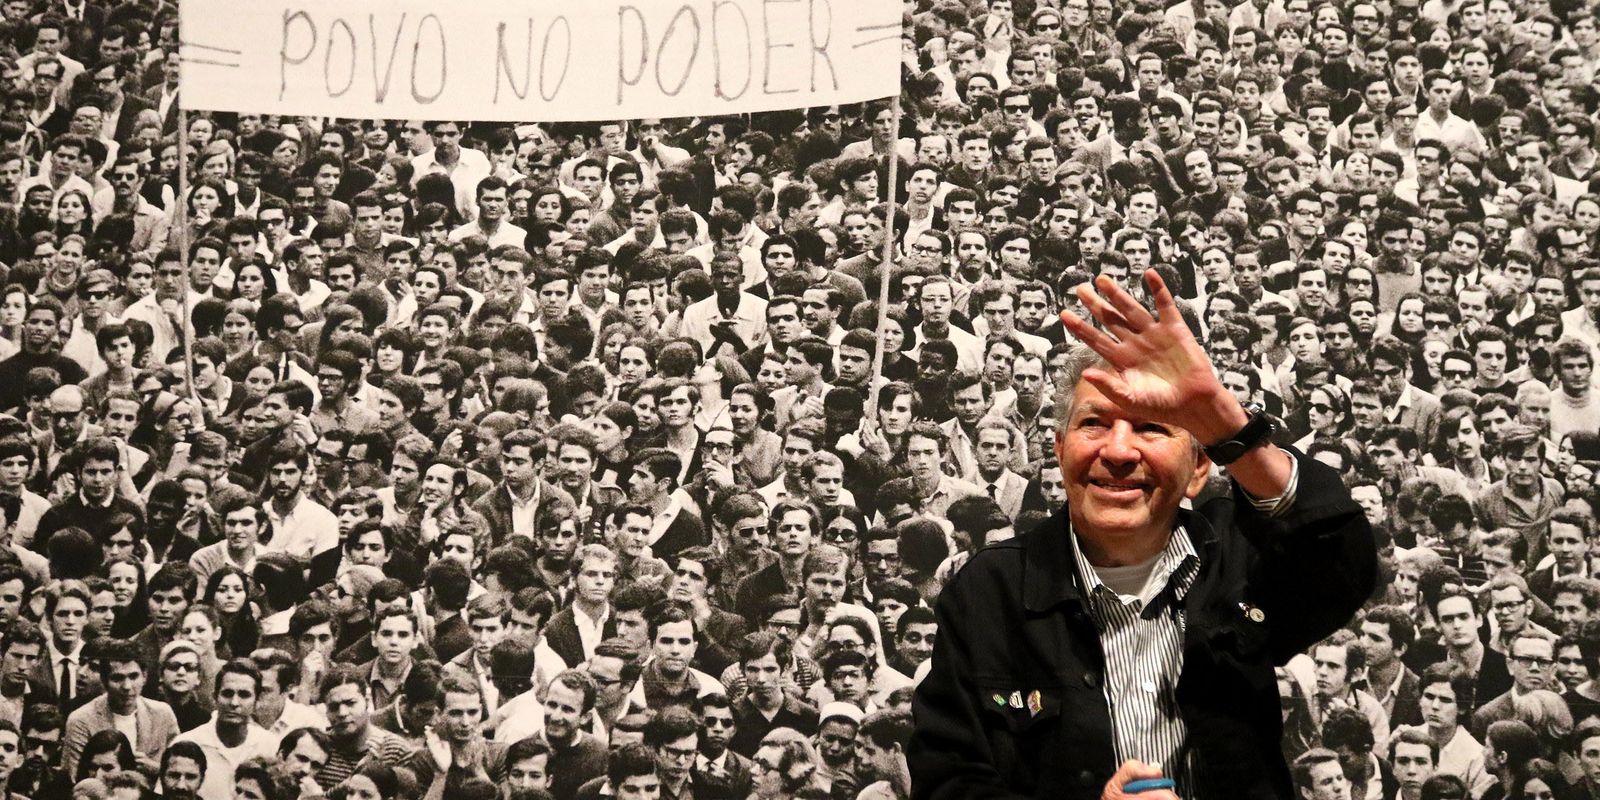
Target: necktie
[[991, 491], [65, 684]]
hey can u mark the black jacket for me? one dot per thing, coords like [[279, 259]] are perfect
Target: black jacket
[[1014, 620]]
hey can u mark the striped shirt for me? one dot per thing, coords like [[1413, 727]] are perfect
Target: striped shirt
[[380, 746], [1138, 610]]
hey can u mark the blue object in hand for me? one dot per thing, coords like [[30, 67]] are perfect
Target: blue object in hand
[[1147, 785]]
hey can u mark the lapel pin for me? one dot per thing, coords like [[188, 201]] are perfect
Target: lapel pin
[[1035, 705], [999, 700], [1252, 613], [1016, 700]]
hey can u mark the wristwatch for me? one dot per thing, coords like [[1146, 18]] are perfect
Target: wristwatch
[[1254, 433]]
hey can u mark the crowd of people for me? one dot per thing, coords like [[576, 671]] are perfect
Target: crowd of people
[[395, 459]]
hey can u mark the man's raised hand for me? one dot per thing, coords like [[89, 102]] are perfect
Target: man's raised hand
[[1157, 369]]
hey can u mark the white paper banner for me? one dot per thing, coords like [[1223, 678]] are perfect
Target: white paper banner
[[535, 61]]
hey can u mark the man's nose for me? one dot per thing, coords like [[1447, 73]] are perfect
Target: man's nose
[[1121, 443]]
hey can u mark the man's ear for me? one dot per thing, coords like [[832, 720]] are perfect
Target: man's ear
[[1202, 471]]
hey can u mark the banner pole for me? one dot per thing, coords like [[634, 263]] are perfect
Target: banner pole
[[183, 241], [886, 268]]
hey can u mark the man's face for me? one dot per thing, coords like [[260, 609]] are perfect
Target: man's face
[[1124, 474], [827, 484], [1567, 545], [562, 708], [241, 529], [1455, 373], [1413, 765], [1532, 661], [1458, 621], [97, 478], [916, 641], [66, 417], [124, 680], [818, 313], [40, 331], [393, 639], [675, 646], [643, 787], [181, 778], [970, 404], [923, 457], [824, 588], [972, 251], [18, 661], [763, 675], [1328, 782], [284, 480], [1510, 608], [347, 710], [1570, 611], [975, 154], [529, 773], [1333, 671], [461, 716], [595, 579], [236, 699], [677, 409], [1524, 467], [855, 364], [784, 322], [795, 532], [849, 684], [936, 303]]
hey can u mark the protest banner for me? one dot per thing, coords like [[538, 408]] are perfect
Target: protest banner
[[565, 60]]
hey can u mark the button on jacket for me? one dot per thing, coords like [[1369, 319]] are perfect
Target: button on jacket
[[1014, 706]]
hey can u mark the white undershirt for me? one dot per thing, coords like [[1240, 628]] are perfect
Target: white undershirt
[[128, 726], [1129, 582]]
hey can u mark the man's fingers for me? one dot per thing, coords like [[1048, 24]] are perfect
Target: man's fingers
[[1131, 310], [1104, 313], [1161, 297], [1132, 769], [1116, 389], [1096, 339]]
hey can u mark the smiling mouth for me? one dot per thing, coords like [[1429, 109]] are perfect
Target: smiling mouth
[[1117, 486]]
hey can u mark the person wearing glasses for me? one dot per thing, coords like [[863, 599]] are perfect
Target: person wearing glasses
[[179, 684], [151, 226]]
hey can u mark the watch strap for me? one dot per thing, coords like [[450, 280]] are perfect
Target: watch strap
[[1255, 432]]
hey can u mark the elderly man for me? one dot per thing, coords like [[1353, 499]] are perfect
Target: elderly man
[[1127, 630]]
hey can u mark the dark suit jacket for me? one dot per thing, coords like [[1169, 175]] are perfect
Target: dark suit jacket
[[74, 514], [132, 104], [562, 635], [1542, 584], [751, 726], [45, 678], [496, 507], [152, 96], [1496, 710], [685, 531], [451, 637], [725, 628], [57, 123], [759, 587], [1494, 678], [734, 784], [1407, 701], [1014, 619]]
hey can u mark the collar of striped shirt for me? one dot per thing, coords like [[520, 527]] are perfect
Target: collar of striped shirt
[[1176, 566]]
